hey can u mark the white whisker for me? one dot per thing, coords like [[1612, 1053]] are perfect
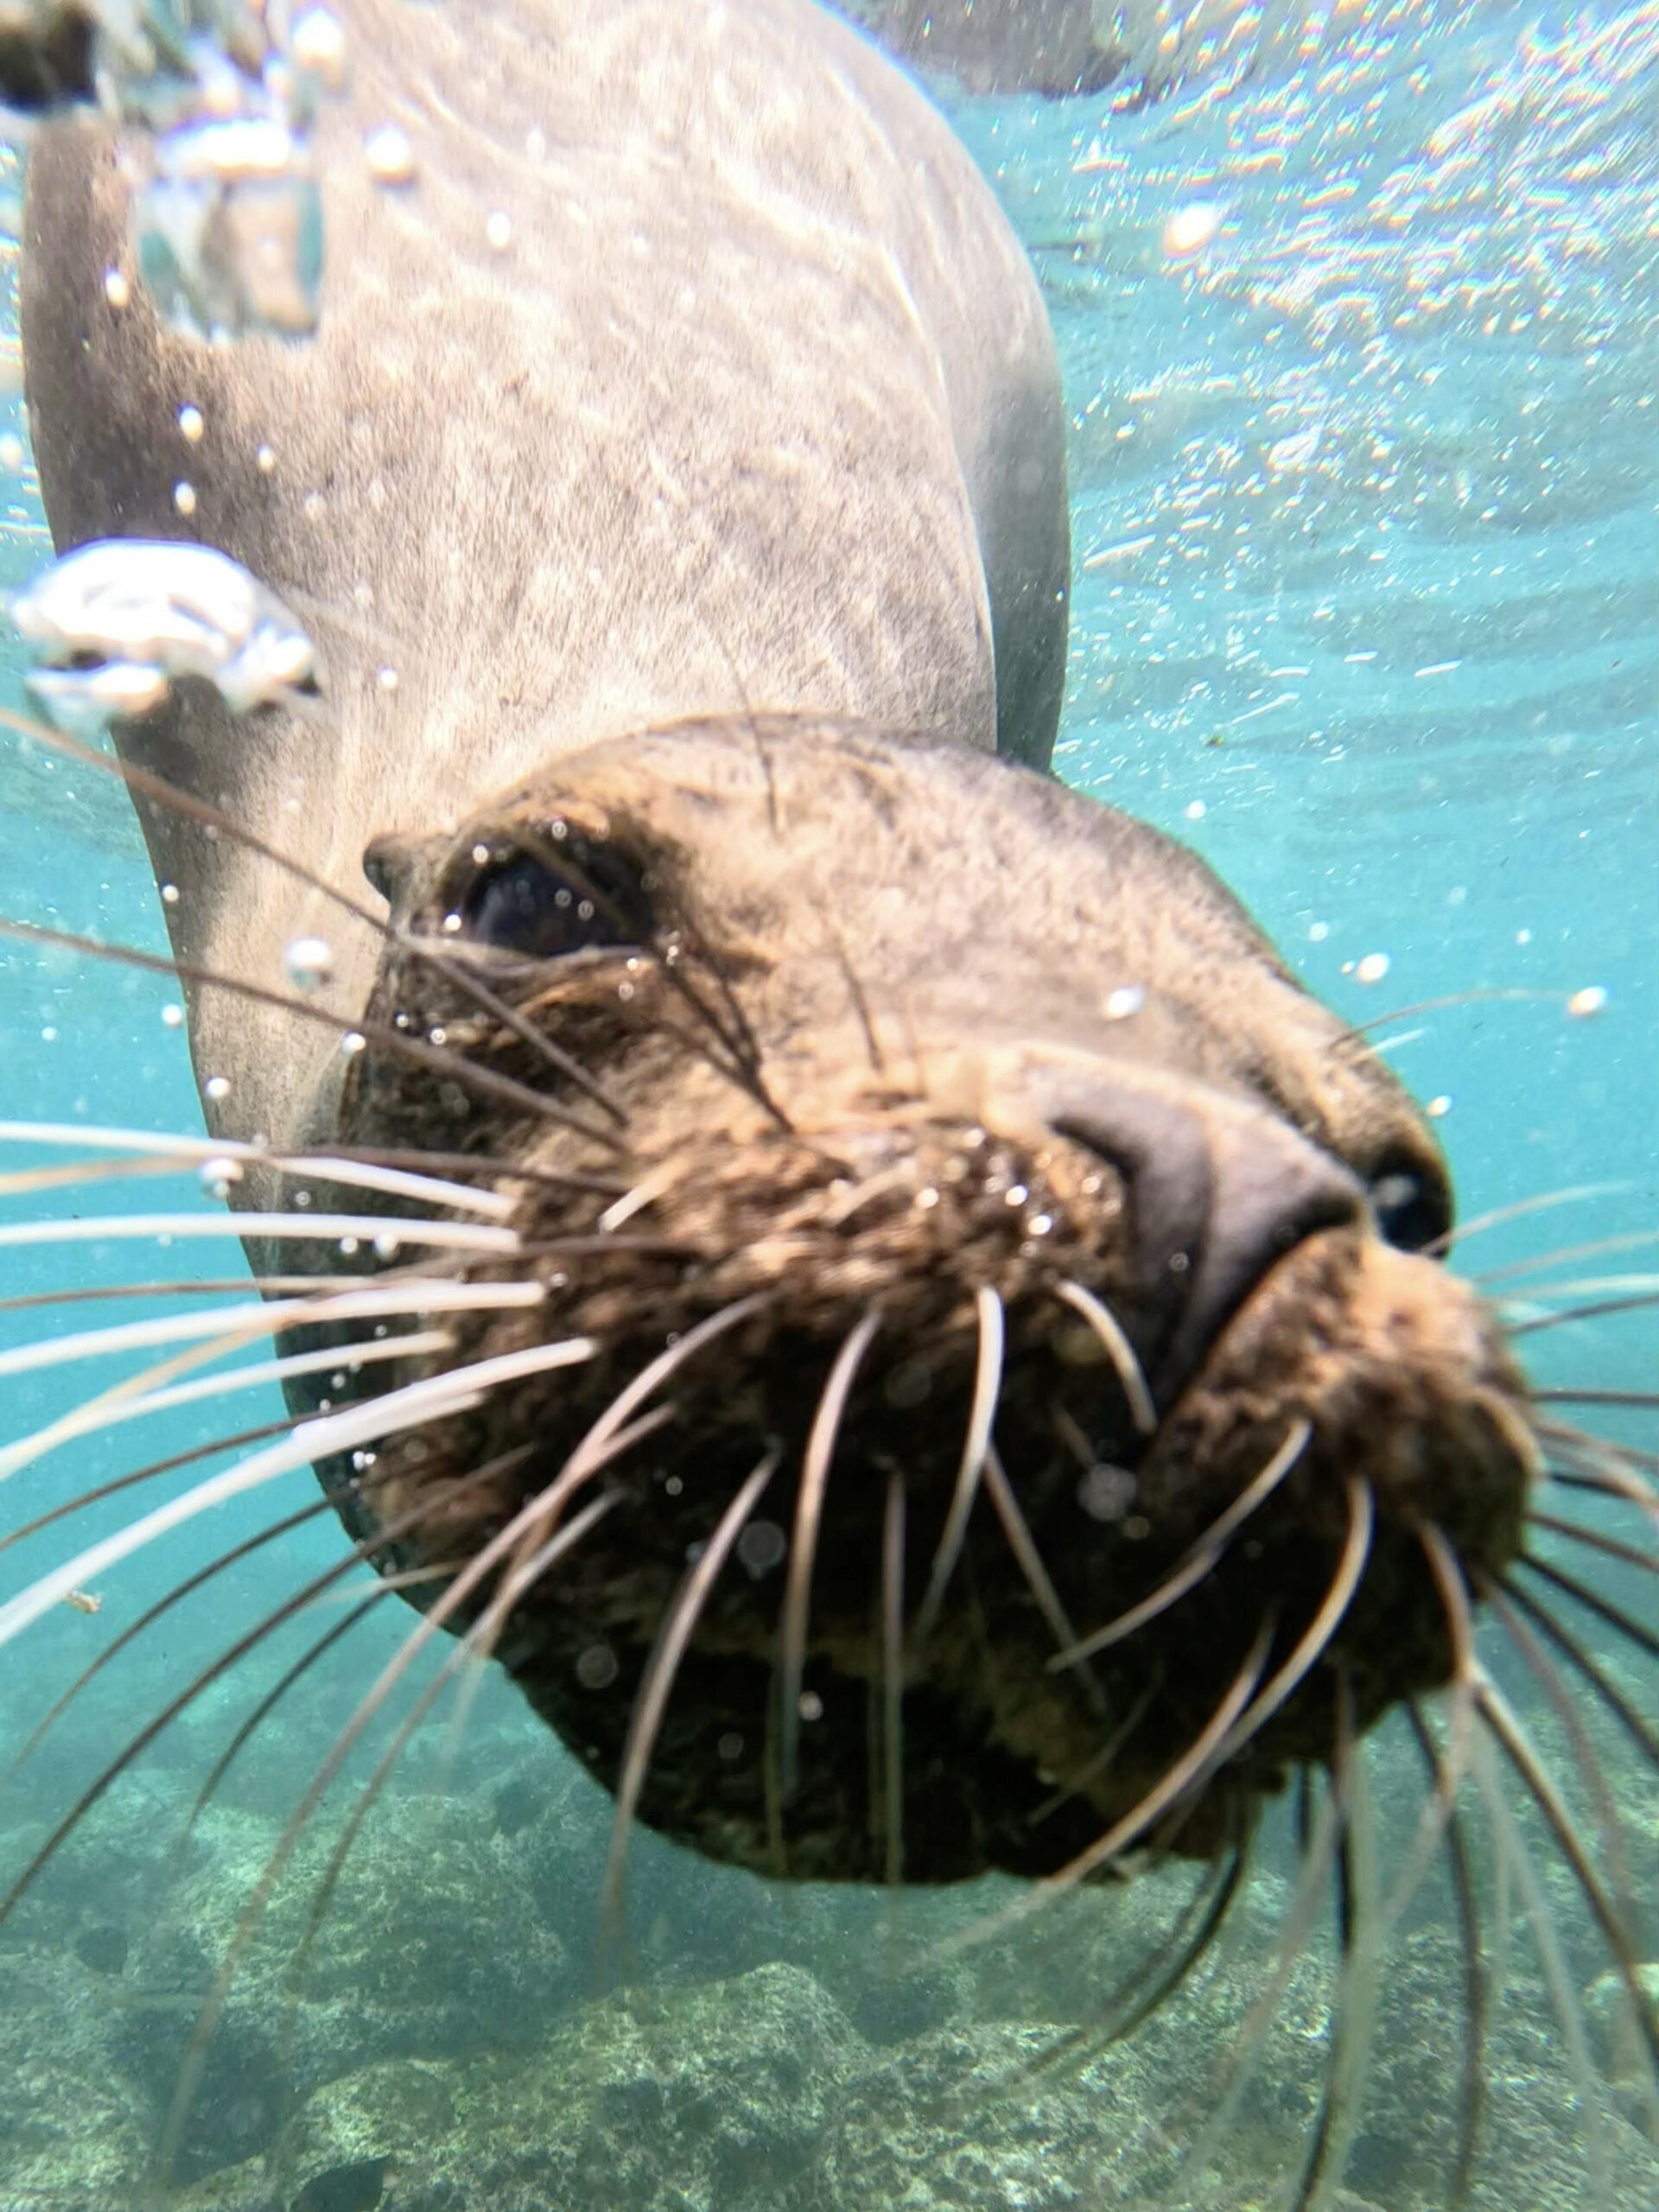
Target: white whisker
[[115, 1407], [389, 1232], [433, 1398], [808, 1506], [262, 1317], [988, 1387], [1117, 1348], [1362, 1515], [187, 1152]]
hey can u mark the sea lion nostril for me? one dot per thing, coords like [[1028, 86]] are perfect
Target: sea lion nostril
[[1159, 1151], [1273, 1191], [1220, 1192]]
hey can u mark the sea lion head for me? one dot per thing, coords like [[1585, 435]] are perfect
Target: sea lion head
[[1000, 1230]]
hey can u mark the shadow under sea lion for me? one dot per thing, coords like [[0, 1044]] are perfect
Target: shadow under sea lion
[[943, 1362]]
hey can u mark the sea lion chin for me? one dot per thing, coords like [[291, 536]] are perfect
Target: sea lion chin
[[1015, 1237]]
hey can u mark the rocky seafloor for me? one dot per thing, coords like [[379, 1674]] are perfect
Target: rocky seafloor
[[770, 2049]]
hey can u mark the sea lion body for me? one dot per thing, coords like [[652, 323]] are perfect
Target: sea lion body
[[916, 1171], [694, 368]]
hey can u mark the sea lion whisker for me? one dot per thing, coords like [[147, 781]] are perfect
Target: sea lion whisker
[[249, 1725], [1319, 1837], [738, 1042], [1583, 1286], [1643, 1401], [1354, 2002], [323, 1299], [648, 1424], [229, 1657], [188, 807], [1628, 1240], [1593, 1454], [1519, 994], [1200, 1556], [1471, 2089], [1586, 1758], [1186, 1956], [1099, 1761], [113, 1488], [171, 1154], [1618, 1928], [1517, 1864], [892, 1680], [438, 1059], [230, 1328], [476, 1238], [133, 1400], [1597, 1310], [158, 1610], [1080, 2045], [1641, 1731], [809, 1507], [1118, 1349], [1017, 1529], [651, 1187], [1447, 1571], [678, 1625], [434, 1397], [471, 1575], [987, 1385], [1496, 1217], [1316, 1638], [94, 1294], [463, 976], [1615, 1615], [1187, 1768], [520, 1575], [1576, 1533]]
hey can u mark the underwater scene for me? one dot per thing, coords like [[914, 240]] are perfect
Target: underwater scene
[[308, 1906]]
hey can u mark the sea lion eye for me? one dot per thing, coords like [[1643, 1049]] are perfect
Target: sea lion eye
[[1412, 1204], [520, 902]]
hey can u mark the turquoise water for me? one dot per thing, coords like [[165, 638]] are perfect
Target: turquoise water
[[1366, 581]]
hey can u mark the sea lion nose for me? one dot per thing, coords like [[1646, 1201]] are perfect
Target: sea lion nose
[[1219, 1190]]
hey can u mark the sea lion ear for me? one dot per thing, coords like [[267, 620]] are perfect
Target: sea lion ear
[[389, 862]]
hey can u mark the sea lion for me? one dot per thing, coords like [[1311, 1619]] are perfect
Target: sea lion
[[991, 1400]]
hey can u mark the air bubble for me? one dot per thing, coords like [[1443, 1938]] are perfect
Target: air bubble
[[1372, 967], [761, 1547], [1128, 999], [598, 1666], [219, 1177], [1106, 1493], [184, 497], [353, 1043], [191, 424], [1189, 229], [309, 962], [390, 156], [217, 1087], [812, 1705], [1588, 1001], [172, 1017]]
